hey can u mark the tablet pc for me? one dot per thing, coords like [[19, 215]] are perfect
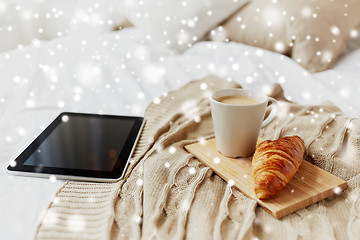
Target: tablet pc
[[79, 146]]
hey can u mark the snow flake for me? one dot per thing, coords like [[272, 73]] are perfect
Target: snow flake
[[202, 140], [268, 228], [266, 89], [327, 56], [259, 52], [350, 125], [337, 190], [282, 79], [191, 23], [16, 79], [65, 118], [249, 79], [30, 103], [231, 182], [185, 206], [139, 182], [21, 131], [345, 92], [335, 30], [354, 33], [137, 219], [156, 100], [172, 150], [306, 95], [8, 139], [192, 170], [52, 179], [77, 97], [140, 95], [203, 86], [61, 104], [279, 46]]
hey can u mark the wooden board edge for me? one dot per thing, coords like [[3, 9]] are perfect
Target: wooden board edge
[[328, 193], [323, 171]]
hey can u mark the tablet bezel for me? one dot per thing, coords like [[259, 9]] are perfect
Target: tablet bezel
[[79, 174]]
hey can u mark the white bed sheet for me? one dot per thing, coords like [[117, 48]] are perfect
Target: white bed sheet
[[117, 73]]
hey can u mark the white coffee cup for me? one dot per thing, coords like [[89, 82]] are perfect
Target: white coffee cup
[[237, 125]]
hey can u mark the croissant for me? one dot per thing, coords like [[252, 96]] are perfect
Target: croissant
[[275, 163]]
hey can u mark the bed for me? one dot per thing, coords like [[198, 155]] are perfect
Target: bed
[[120, 72]]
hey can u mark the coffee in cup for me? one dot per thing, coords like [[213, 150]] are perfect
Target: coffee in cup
[[238, 100]]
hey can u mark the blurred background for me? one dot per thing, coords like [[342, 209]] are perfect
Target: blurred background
[[26, 22]]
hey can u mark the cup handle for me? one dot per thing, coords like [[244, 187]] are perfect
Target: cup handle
[[273, 112]]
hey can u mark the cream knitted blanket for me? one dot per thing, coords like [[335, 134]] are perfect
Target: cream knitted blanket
[[168, 194]]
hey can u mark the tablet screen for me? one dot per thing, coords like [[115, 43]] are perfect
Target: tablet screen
[[85, 145]]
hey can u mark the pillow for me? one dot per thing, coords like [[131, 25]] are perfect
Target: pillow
[[313, 32], [178, 24]]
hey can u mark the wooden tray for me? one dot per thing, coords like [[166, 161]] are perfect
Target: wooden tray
[[309, 185]]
